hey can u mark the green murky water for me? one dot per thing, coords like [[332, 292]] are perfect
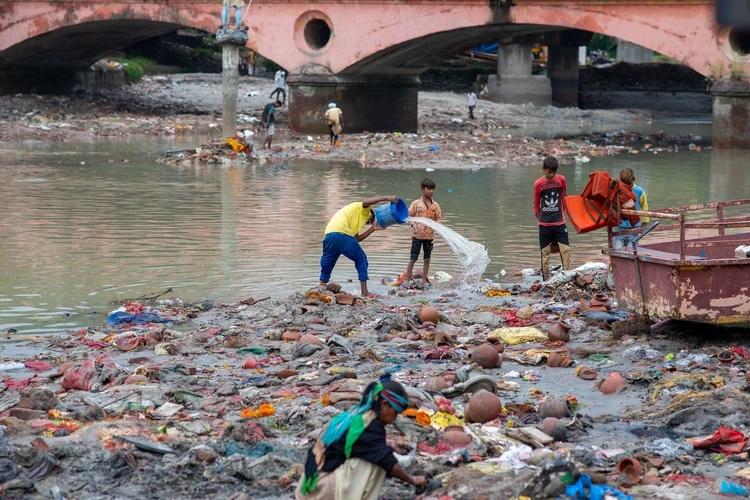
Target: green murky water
[[80, 226]]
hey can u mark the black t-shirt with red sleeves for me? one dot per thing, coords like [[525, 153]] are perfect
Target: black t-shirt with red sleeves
[[549, 196]]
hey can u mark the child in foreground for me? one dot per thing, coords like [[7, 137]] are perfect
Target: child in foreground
[[423, 236], [549, 199]]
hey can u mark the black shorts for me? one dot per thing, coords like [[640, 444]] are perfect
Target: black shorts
[[548, 234], [417, 244]]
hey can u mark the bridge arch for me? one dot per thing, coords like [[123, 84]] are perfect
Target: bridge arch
[[370, 36]]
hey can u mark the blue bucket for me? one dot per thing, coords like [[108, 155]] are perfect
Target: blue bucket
[[392, 213]]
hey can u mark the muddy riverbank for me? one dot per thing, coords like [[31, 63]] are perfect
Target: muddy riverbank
[[191, 105], [223, 400]]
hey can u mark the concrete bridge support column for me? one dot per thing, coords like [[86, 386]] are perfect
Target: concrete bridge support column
[[231, 41], [370, 103], [632, 53], [514, 82], [562, 70], [731, 115]]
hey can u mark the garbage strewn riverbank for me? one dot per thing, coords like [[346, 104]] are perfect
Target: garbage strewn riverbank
[[191, 105], [223, 400]]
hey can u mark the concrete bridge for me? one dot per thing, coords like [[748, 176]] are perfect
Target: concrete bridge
[[368, 54]]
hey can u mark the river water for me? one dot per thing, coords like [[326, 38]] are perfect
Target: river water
[[86, 224]]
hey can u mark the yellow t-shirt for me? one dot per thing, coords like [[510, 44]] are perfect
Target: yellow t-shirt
[[349, 219]]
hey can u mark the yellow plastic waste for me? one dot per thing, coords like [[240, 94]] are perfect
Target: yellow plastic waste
[[443, 420], [518, 335], [236, 146]]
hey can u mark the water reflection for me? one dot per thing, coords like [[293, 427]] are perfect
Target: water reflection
[[82, 227]]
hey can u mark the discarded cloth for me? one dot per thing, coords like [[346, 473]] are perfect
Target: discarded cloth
[[724, 440], [584, 489], [121, 318]]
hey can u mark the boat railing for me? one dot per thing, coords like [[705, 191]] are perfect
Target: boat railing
[[682, 224]]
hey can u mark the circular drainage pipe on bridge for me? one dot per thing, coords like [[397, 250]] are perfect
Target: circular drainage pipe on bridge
[[317, 34], [313, 32], [739, 40]]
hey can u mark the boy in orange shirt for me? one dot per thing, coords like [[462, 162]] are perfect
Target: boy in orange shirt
[[422, 235]]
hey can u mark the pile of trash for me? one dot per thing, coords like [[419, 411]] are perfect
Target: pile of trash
[[232, 149], [514, 395]]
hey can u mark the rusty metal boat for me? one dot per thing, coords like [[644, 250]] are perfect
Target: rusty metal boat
[[689, 271]]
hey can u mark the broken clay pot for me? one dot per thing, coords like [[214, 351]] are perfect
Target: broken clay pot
[[486, 356], [310, 339], [559, 331], [630, 470], [587, 373], [559, 360], [291, 335], [613, 383], [554, 408], [346, 299]]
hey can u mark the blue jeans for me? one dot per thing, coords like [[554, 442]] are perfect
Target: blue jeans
[[225, 15], [336, 245]]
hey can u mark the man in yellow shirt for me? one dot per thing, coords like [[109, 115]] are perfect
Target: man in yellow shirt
[[335, 122], [342, 237]]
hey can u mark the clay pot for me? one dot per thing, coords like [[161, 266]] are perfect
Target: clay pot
[[559, 331], [726, 356], [455, 434], [613, 383], [486, 356], [286, 373], [499, 346], [250, 363], [587, 373], [554, 428], [136, 379], [483, 407], [559, 360], [333, 287], [747, 375], [428, 314], [630, 470], [554, 408], [310, 339], [345, 299], [600, 302], [291, 335], [436, 384]]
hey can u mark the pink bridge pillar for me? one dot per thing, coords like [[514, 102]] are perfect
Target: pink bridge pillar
[[369, 103]]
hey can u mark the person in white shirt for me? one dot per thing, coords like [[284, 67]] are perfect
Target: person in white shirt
[[471, 102], [280, 79]]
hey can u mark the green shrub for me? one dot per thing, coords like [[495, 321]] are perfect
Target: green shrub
[[205, 52], [135, 67]]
